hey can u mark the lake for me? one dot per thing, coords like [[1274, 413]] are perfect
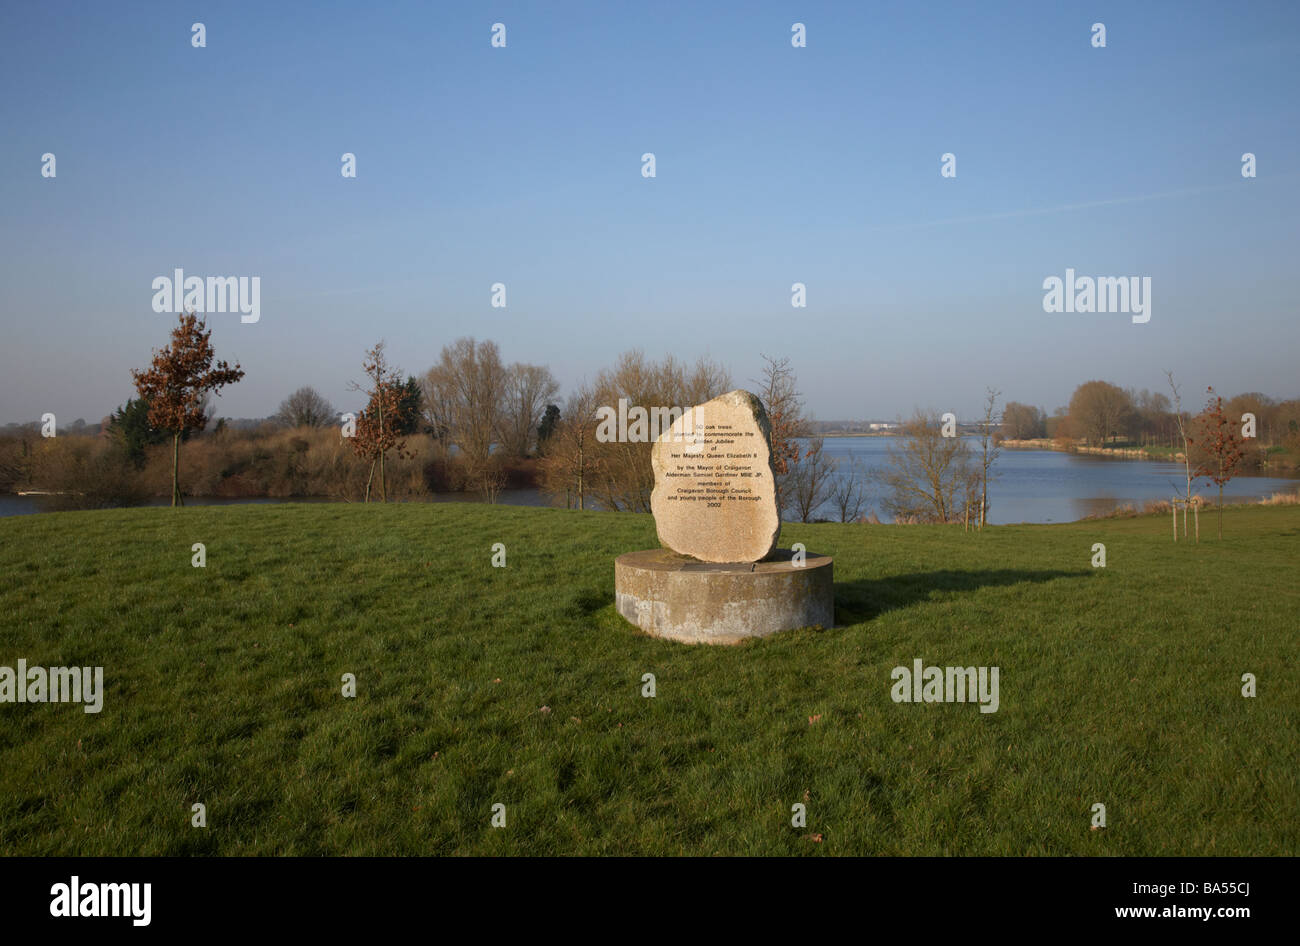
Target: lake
[[1050, 486], [1028, 485]]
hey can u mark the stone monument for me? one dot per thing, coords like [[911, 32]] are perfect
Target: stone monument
[[719, 577]]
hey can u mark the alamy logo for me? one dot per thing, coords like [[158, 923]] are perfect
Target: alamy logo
[[923, 684], [78, 899], [180, 293], [1103, 294], [637, 425], [53, 685]]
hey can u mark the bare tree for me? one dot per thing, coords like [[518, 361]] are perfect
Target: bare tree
[[812, 481], [305, 408], [926, 471], [1023, 422], [570, 464], [1152, 412], [705, 381], [435, 412], [626, 477], [779, 394], [971, 490], [1099, 410], [848, 491], [1180, 420], [466, 392], [989, 451], [1058, 427], [528, 389]]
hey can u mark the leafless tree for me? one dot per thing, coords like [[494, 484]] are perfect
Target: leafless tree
[[779, 393], [989, 450], [848, 491], [466, 391], [570, 462], [926, 471], [305, 408], [528, 389], [705, 381], [811, 482], [1180, 420], [1023, 421], [626, 478], [1099, 410]]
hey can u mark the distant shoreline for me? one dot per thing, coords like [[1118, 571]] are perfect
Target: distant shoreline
[[1167, 454], [865, 433], [1278, 468]]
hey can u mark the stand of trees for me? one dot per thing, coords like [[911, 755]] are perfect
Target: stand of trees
[[1023, 422], [472, 422], [618, 475], [1101, 414], [489, 413]]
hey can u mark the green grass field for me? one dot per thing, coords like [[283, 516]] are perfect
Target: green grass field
[[1119, 685]]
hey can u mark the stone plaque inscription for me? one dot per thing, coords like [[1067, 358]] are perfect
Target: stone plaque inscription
[[715, 489]]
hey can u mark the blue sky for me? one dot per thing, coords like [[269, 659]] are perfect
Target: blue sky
[[775, 165]]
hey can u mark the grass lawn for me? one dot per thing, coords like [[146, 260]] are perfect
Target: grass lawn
[[1120, 685]]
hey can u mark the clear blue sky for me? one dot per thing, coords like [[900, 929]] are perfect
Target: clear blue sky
[[775, 165]]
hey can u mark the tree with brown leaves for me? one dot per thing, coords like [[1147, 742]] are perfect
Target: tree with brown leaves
[[178, 383], [1220, 446], [376, 430]]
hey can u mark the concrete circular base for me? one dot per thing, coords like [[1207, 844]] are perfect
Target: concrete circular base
[[673, 596]]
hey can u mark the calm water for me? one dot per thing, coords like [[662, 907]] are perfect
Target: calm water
[[1047, 486], [1029, 485]]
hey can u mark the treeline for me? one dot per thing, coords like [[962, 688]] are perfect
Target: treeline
[[469, 422], [581, 468], [1101, 414], [472, 422]]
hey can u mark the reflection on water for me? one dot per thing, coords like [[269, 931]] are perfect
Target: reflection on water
[[1049, 486], [1086, 506]]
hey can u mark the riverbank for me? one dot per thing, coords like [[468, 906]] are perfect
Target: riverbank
[[1277, 461], [1123, 453], [1042, 486]]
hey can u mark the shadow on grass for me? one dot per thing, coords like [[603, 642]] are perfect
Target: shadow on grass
[[863, 600]]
